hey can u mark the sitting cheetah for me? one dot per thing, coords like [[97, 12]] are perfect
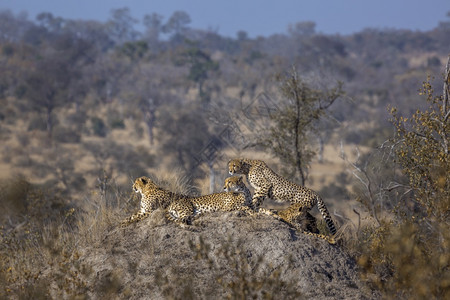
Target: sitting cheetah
[[295, 215], [152, 197], [185, 210], [267, 183]]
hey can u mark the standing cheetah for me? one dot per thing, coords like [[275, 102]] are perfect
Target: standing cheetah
[[295, 215], [267, 183]]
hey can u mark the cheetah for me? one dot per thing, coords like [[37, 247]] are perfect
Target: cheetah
[[267, 183], [152, 197], [182, 208], [184, 211], [295, 215]]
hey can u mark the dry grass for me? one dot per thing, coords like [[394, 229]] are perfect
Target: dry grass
[[49, 258], [42, 239], [46, 229]]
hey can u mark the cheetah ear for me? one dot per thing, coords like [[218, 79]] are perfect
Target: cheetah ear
[[144, 180]]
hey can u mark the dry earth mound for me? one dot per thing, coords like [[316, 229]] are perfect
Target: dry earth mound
[[221, 255]]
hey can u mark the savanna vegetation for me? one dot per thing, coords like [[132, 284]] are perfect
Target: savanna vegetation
[[87, 106]]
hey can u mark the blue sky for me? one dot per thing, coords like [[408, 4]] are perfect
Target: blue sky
[[258, 17]]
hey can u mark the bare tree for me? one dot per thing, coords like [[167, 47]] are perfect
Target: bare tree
[[288, 136]]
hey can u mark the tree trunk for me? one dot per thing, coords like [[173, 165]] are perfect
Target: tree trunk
[[297, 129], [204, 96], [150, 121], [321, 148], [445, 95], [49, 123], [212, 177]]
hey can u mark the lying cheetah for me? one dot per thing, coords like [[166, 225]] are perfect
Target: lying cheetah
[[267, 183], [184, 211], [182, 208], [295, 215], [152, 197]]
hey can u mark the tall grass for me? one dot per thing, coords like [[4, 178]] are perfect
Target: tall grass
[[43, 235], [41, 239]]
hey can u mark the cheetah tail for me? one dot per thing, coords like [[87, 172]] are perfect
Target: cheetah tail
[[326, 215], [338, 235]]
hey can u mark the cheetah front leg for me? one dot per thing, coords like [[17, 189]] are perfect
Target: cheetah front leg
[[246, 210], [270, 213], [135, 218], [260, 194]]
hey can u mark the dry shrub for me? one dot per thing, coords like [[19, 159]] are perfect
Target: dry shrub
[[401, 261], [41, 264], [97, 214], [43, 236], [408, 254], [176, 181], [41, 240]]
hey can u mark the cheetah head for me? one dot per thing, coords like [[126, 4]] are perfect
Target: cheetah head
[[233, 184], [140, 183], [235, 166]]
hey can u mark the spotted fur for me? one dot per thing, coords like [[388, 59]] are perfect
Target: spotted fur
[[295, 215], [180, 208], [184, 211], [267, 183], [152, 197]]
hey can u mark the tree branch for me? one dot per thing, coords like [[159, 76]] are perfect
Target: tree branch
[[446, 88]]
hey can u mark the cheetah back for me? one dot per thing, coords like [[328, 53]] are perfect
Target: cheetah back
[[268, 183], [185, 210]]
